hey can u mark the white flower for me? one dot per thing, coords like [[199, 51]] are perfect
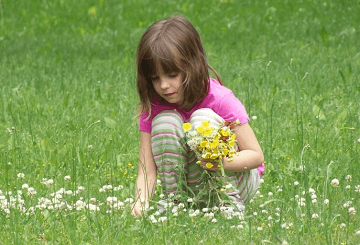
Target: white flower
[[254, 117], [259, 228], [254, 213], [348, 187], [101, 190], [348, 177], [270, 194], [25, 186], [21, 175], [311, 191], [335, 183], [190, 200], [264, 211], [67, 177], [296, 183], [163, 219], [357, 188], [314, 201], [214, 220], [261, 181], [162, 196], [326, 201], [240, 227], [352, 211], [205, 210], [357, 232], [342, 225], [313, 196], [315, 216]]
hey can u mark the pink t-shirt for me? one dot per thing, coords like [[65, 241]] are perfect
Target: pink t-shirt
[[220, 99]]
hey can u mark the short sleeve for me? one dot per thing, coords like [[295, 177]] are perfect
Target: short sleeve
[[145, 125], [230, 108]]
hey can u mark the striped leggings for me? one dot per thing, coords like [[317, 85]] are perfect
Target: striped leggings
[[176, 163]]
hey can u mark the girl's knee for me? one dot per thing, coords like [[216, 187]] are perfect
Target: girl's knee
[[206, 114], [168, 120]]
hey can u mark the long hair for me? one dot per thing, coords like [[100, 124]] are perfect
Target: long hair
[[174, 46]]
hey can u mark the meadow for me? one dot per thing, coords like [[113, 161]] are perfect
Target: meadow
[[69, 137]]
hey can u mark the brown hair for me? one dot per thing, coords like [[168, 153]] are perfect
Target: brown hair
[[174, 45]]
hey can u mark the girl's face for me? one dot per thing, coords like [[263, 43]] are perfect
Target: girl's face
[[169, 86]]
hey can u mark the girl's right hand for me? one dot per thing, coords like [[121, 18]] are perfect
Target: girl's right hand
[[136, 211]]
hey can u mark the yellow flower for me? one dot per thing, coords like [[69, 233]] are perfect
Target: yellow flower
[[207, 132], [231, 143], [206, 155], [203, 143], [205, 124], [214, 144], [200, 129], [198, 162], [209, 165], [213, 156], [186, 126], [233, 137], [225, 152], [237, 121]]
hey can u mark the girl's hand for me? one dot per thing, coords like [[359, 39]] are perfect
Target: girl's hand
[[137, 209], [205, 163]]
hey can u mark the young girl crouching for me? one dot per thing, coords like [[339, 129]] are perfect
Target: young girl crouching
[[175, 87]]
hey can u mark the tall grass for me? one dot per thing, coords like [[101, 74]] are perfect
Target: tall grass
[[68, 100]]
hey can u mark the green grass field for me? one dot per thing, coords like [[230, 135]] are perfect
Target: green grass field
[[68, 100]]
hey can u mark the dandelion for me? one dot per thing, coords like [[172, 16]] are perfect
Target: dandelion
[[335, 183]]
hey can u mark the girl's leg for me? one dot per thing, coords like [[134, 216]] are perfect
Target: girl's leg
[[171, 154], [245, 183]]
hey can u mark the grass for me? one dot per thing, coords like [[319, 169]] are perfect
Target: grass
[[68, 100]]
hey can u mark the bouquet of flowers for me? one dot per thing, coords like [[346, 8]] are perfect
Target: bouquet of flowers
[[212, 145]]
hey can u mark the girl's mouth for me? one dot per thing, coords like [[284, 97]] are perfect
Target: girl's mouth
[[168, 95]]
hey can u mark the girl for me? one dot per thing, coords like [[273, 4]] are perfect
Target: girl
[[174, 87]]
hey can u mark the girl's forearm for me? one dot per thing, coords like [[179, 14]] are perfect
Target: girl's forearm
[[244, 160], [145, 187]]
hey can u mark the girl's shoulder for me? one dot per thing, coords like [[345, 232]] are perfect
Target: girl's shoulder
[[217, 90]]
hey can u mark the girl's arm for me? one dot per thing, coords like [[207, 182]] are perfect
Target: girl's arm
[[250, 155], [147, 174]]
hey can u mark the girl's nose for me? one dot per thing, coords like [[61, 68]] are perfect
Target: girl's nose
[[164, 83]]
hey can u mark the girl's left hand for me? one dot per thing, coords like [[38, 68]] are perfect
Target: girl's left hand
[[213, 168]]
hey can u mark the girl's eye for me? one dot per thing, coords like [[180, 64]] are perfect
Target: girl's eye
[[154, 78], [173, 75]]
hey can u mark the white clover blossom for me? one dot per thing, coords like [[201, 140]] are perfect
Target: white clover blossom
[[348, 177], [335, 183], [296, 183], [21, 176], [315, 216], [326, 201], [352, 211], [342, 225], [67, 178]]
